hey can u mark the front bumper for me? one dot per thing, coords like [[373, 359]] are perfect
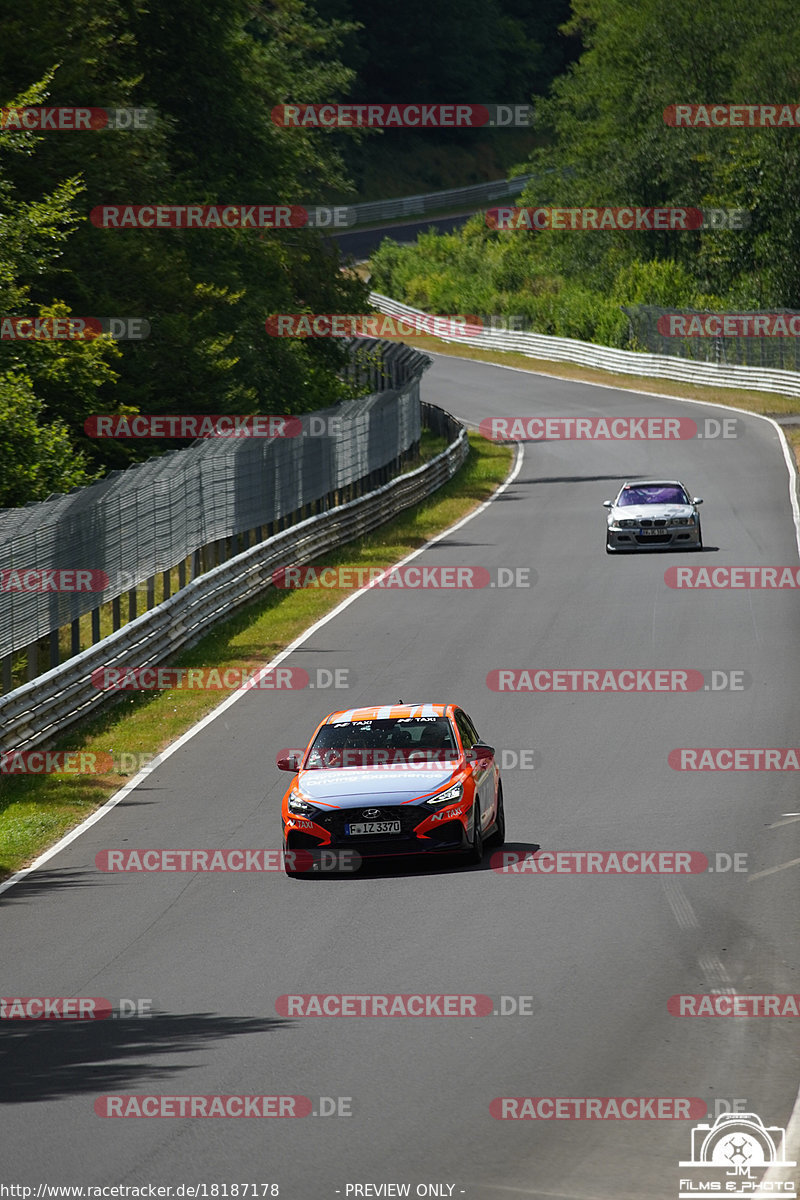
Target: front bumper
[[328, 831], [678, 537]]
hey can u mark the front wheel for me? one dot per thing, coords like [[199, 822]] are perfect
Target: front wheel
[[474, 856], [699, 536]]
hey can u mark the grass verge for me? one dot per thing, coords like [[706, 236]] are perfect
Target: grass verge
[[36, 810]]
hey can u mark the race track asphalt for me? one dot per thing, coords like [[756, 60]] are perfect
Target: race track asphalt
[[599, 956]]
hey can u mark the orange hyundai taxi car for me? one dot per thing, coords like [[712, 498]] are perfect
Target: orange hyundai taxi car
[[398, 779]]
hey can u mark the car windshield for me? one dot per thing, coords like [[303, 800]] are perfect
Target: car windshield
[[382, 743], [653, 493]]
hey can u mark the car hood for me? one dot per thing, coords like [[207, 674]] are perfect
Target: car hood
[[637, 512], [353, 787]]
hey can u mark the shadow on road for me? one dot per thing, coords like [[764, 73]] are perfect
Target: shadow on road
[[43, 1060], [50, 882]]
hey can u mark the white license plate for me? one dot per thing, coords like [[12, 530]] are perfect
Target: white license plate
[[362, 827], [652, 532]]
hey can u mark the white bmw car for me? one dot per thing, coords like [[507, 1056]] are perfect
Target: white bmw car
[[653, 513]]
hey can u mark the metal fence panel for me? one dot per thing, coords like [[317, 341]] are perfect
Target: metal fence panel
[[146, 519], [780, 353], [36, 712]]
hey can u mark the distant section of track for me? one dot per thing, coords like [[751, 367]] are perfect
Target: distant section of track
[[361, 243]]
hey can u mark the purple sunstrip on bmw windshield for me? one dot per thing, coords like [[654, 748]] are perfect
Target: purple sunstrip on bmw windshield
[[653, 495]]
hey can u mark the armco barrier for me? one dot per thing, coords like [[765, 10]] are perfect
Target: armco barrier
[[467, 198], [626, 362], [43, 708]]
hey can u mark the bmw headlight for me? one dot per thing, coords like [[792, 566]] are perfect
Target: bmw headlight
[[627, 524], [451, 796], [683, 520], [299, 805]]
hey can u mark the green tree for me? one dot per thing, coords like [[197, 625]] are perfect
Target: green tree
[[212, 74], [37, 378]]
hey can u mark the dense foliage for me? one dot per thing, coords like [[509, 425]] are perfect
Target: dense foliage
[[212, 73], [609, 145]]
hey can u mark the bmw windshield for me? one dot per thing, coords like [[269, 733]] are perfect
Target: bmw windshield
[[653, 493]]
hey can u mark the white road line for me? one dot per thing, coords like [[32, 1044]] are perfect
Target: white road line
[[773, 870], [126, 790]]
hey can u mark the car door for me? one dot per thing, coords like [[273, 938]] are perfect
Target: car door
[[482, 772]]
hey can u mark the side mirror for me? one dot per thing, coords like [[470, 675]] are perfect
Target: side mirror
[[288, 762], [608, 504], [697, 499], [480, 751]]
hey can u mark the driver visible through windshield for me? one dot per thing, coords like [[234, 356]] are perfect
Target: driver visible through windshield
[[383, 742]]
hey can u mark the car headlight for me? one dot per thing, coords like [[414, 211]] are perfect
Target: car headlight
[[452, 795], [682, 521], [299, 805], [627, 523]]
